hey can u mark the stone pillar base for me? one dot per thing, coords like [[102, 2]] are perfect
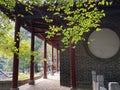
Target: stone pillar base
[[45, 77], [31, 82], [14, 88], [52, 74], [74, 88]]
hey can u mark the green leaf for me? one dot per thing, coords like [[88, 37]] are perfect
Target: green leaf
[[98, 29]]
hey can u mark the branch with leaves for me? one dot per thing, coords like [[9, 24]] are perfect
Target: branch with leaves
[[78, 17]]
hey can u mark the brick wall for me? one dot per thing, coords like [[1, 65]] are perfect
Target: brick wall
[[65, 68], [86, 62]]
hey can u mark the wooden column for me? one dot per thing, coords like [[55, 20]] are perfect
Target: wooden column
[[57, 60], [52, 66], [72, 64], [32, 82], [16, 57], [45, 59]]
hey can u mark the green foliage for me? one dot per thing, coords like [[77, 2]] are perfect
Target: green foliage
[[38, 43], [23, 76], [25, 48], [38, 52], [10, 4], [77, 17], [5, 23], [24, 51], [6, 46], [6, 39]]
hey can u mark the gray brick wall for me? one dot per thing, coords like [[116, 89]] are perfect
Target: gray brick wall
[[65, 68], [86, 62]]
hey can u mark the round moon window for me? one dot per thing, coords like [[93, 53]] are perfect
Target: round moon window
[[104, 44]]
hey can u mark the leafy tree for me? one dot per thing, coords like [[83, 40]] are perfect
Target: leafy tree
[[37, 58], [6, 39], [25, 50], [77, 16], [7, 47], [38, 43], [8, 66]]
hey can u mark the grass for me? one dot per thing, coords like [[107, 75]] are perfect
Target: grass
[[23, 76]]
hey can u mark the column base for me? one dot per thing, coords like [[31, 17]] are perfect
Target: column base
[[74, 88], [45, 77], [52, 74], [14, 88], [31, 82]]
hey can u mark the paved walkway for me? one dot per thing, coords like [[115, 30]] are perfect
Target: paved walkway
[[52, 83]]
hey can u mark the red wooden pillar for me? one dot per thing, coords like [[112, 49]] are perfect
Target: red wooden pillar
[[57, 60], [32, 82], [16, 57], [72, 64], [52, 66], [45, 59]]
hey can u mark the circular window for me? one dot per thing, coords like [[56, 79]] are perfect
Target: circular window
[[104, 44]]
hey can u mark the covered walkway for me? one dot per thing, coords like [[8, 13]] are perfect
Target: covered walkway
[[52, 83]]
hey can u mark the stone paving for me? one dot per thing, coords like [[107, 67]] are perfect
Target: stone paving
[[51, 83]]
